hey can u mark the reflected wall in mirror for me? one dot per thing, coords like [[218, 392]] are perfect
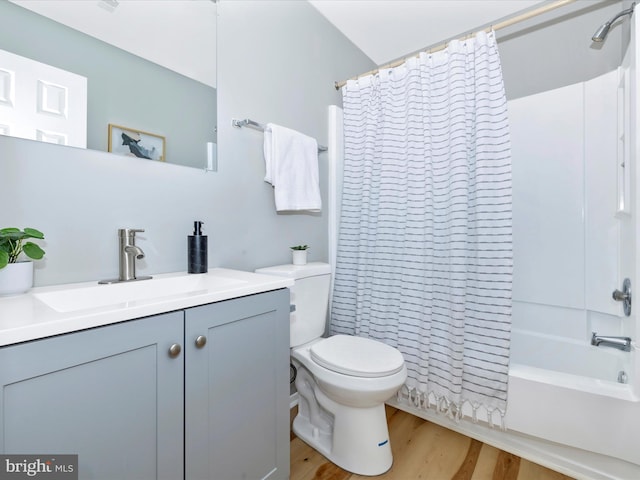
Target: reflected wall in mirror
[[171, 92]]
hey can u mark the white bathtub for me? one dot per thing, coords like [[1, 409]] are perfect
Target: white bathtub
[[566, 408], [572, 364], [567, 392]]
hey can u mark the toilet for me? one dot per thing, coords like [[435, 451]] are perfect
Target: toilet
[[342, 381]]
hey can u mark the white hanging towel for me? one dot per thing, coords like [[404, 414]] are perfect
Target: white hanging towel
[[291, 161]]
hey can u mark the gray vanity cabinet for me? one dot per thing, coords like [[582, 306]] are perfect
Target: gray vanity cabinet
[[237, 389], [133, 408], [112, 395]]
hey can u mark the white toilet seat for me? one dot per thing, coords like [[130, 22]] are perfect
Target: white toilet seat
[[357, 356], [351, 390]]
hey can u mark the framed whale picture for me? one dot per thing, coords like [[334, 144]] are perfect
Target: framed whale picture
[[136, 143]]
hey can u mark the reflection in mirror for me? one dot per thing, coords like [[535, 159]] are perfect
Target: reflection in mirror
[[41, 102], [169, 94]]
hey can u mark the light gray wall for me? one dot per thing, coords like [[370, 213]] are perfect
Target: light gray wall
[[122, 88], [277, 63], [285, 59]]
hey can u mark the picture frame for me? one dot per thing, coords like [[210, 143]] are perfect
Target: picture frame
[[136, 143]]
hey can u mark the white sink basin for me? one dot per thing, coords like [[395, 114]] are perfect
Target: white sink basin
[[138, 292]]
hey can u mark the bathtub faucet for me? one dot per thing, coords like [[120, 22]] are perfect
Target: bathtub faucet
[[621, 343]]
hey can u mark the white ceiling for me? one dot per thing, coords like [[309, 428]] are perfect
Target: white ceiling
[[388, 30], [177, 34], [385, 30]]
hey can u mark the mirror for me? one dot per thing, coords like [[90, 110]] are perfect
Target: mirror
[[149, 65]]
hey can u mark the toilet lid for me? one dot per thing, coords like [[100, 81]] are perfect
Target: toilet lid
[[357, 356]]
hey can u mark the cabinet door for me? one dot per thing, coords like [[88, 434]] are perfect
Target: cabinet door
[[112, 395], [237, 389]]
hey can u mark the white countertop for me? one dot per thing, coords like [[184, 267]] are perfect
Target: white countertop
[[41, 312]]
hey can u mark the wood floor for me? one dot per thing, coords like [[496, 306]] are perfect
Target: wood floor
[[425, 451]]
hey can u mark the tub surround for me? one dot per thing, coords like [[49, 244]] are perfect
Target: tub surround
[[33, 315]]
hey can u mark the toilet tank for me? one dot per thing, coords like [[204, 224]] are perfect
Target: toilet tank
[[309, 295]]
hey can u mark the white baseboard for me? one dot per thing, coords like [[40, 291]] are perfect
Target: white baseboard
[[293, 400]]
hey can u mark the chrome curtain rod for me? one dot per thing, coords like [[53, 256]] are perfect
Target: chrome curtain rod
[[259, 126], [506, 23]]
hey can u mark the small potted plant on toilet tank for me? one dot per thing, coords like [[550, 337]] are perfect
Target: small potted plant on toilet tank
[[300, 254], [16, 273]]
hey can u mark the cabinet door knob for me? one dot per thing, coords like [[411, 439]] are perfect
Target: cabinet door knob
[[201, 341], [174, 350]]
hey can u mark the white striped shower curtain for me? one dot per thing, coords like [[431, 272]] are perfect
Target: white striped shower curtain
[[424, 258]]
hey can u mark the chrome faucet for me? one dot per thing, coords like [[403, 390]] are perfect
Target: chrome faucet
[[128, 254], [621, 343]]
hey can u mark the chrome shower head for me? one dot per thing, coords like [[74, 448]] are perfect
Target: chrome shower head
[[603, 31]]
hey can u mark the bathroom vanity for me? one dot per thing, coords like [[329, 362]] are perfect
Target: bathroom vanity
[[189, 385]]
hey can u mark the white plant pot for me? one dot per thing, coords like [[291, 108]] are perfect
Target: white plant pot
[[299, 257], [16, 278]]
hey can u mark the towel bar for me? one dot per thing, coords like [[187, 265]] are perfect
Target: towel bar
[[259, 126]]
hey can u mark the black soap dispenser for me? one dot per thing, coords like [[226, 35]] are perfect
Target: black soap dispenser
[[197, 250]]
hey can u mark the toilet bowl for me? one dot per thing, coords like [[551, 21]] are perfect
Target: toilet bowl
[[342, 381], [342, 415]]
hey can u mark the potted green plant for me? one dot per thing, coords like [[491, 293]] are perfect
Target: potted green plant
[[299, 254], [16, 274]]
